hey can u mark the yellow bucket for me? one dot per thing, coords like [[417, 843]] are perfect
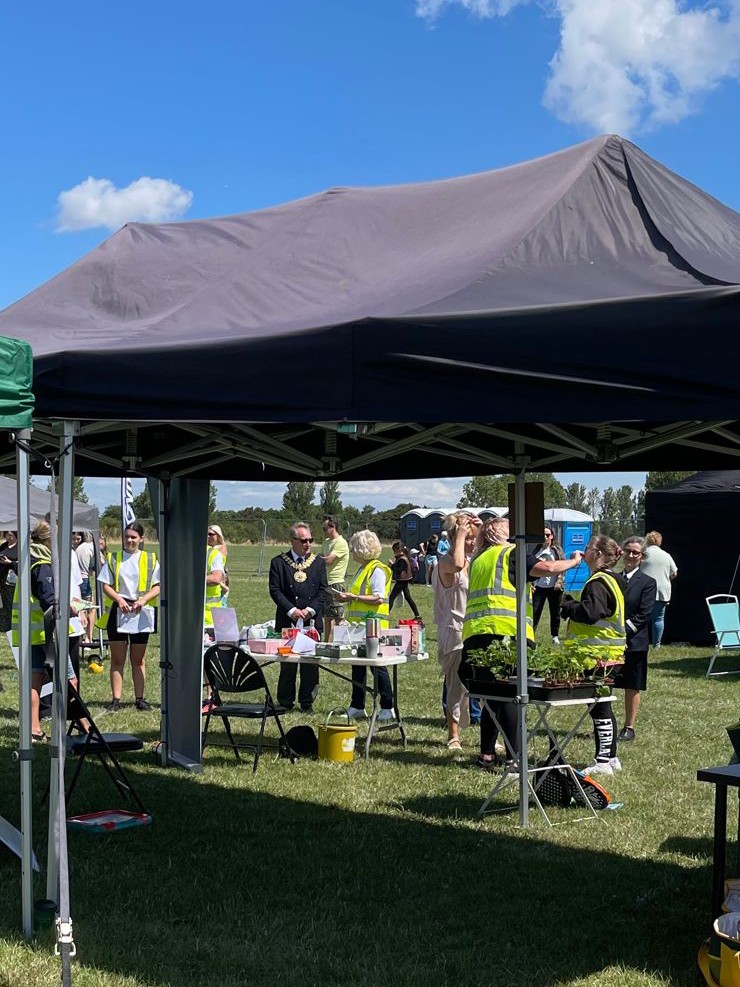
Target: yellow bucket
[[337, 740]]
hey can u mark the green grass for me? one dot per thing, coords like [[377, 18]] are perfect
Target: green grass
[[317, 873]]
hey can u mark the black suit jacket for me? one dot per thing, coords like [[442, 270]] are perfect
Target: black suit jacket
[[287, 593], [639, 597]]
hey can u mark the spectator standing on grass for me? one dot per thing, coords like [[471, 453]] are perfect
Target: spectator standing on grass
[[335, 553], [660, 565], [548, 589], [130, 581], [443, 546], [298, 589], [403, 573], [85, 551], [639, 598], [450, 582], [430, 549], [42, 600], [8, 577], [215, 573], [596, 621], [490, 615], [368, 595]]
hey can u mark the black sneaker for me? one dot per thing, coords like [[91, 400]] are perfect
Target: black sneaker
[[142, 704], [627, 733], [113, 706]]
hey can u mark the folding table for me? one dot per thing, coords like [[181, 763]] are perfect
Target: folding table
[[332, 665], [556, 759]]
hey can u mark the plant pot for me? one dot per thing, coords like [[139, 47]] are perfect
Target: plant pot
[[492, 687], [551, 692]]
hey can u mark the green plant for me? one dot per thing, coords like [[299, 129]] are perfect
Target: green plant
[[568, 663], [499, 657]]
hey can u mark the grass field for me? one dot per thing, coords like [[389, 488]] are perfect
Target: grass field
[[317, 873]]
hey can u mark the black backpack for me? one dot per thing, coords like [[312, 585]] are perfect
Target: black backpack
[[301, 741]]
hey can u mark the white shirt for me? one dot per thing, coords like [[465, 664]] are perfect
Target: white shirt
[[128, 575], [85, 552], [660, 565]]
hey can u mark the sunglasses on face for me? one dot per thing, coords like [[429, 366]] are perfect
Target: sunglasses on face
[[305, 541]]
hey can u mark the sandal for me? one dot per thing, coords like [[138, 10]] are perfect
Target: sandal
[[485, 765], [453, 744], [39, 738]]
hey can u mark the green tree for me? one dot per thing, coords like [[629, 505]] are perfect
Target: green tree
[[78, 489], [329, 498], [142, 506], [493, 491], [594, 502], [619, 510], [576, 497], [298, 500], [658, 480], [211, 498]]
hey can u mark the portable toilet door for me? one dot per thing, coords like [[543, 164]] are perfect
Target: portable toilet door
[[575, 536]]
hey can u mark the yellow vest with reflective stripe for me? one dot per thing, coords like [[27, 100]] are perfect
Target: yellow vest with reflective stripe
[[356, 609], [213, 590], [491, 606], [38, 633], [147, 563], [607, 634]]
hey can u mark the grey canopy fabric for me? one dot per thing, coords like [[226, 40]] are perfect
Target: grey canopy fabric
[[85, 516], [591, 285]]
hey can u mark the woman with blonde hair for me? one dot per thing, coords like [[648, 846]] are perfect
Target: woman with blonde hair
[[43, 597], [450, 582], [368, 596]]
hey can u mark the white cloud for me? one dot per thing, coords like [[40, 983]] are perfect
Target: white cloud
[[627, 65], [97, 202], [431, 9]]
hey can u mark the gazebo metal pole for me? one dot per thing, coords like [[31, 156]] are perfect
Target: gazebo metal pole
[[164, 610], [59, 706], [521, 636], [24, 678]]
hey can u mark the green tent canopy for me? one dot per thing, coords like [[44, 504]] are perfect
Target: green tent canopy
[[16, 377]]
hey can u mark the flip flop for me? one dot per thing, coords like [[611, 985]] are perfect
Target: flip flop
[[39, 738]]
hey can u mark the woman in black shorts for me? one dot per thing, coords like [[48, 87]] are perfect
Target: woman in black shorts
[[130, 581]]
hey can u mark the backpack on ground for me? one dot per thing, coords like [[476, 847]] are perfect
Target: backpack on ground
[[301, 740]]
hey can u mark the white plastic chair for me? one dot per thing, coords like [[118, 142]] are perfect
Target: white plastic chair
[[725, 616]]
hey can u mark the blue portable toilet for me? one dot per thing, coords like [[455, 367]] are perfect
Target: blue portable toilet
[[572, 530]]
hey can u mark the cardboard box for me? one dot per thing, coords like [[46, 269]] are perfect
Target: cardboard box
[[265, 646], [395, 641]]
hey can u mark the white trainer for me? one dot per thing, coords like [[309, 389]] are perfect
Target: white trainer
[[356, 714], [386, 714], [615, 764], [556, 640], [600, 768]]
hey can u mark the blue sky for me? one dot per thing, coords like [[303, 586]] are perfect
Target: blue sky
[[168, 110]]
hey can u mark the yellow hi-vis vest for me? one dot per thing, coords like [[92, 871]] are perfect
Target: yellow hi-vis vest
[[38, 634], [147, 564], [491, 606], [356, 609], [607, 634], [213, 590]]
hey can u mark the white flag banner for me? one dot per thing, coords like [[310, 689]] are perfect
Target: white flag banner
[[127, 499]]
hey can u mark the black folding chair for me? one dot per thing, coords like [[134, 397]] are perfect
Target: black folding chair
[[81, 743], [228, 669]]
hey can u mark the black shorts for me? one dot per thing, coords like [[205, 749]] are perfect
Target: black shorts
[[633, 674], [115, 635]]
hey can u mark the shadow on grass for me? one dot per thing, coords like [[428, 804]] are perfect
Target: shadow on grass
[[234, 886], [689, 846], [686, 667]]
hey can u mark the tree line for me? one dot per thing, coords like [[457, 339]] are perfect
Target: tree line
[[618, 512]]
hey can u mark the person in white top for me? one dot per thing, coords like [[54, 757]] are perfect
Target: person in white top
[[660, 565], [121, 578], [450, 582], [85, 551]]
